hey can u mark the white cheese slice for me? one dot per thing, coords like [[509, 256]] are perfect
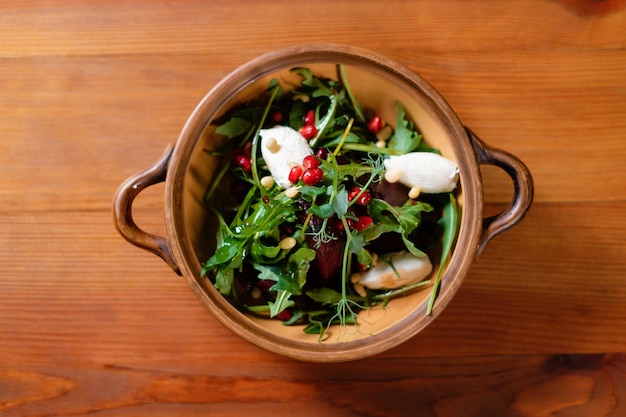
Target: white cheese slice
[[282, 147], [430, 172], [402, 269]]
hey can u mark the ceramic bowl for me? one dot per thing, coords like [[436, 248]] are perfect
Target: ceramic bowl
[[378, 83]]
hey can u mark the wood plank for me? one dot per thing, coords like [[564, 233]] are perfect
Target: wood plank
[[514, 386], [113, 27]]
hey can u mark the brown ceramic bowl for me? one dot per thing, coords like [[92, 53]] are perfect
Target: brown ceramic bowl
[[378, 84]]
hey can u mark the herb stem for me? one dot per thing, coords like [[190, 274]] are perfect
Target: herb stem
[[255, 143], [343, 76], [215, 181], [401, 291], [343, 137], [359, 147]]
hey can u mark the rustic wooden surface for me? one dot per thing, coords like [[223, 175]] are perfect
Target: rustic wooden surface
[[92, 92]]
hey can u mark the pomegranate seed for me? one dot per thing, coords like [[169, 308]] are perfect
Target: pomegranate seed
[[308, 131], [322, 153], [265, 284], [295, 173], [312, 176], [362, 267], [353, 193], [363, 223], [310, 161], [364, 199], [375, 124], [244, 162], [309, 118], [277, 116], [284, 315]]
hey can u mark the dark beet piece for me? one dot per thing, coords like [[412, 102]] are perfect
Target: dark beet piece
[[328, 254], [393, 193]]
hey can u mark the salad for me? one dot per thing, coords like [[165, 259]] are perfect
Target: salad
[[324, 208]]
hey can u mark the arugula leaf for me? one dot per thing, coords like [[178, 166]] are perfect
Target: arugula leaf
[[224, 280], [234, 127], [329, 296], [449, 222], [261, 252], [399, 219], [282, 302], [325, 122], [289, 280], [405, 139], [296, 114], [299, 264], [343, 76], [319, 89]]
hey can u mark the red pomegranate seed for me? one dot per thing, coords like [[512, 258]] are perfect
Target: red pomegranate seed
[[244, 162], [265, 284], [312, 176], [284, 315], [322, 153], [310, 161], [363, 223], [277, 116], [375, 124], [295, 173], [247, 149], [309, 118], [364, 199], [353, 193], [308, 131]]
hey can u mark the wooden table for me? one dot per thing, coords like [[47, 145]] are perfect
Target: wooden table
[[92, 92]]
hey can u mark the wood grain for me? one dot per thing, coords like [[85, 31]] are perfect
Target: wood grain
[[92, 92], [523, 386]]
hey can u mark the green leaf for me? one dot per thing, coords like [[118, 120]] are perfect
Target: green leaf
[[324, 211], [234, 127], [343, 76], [282, 302], [449, 222], [268, 272], [224, 280], [357, 243], [329, 296], [312, 191], [296, 115], [405, 139], [325, 122], [340, 203], [317, 87], [261, 252], [299, 264], [325, 295], [398, 219]]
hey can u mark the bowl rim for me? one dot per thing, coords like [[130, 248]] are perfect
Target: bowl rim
[[470, 226]]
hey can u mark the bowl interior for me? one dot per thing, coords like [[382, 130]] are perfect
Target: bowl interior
[[378, 85]]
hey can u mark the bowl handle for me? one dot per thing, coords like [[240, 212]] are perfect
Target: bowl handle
[[123, 216], [522, 184]]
